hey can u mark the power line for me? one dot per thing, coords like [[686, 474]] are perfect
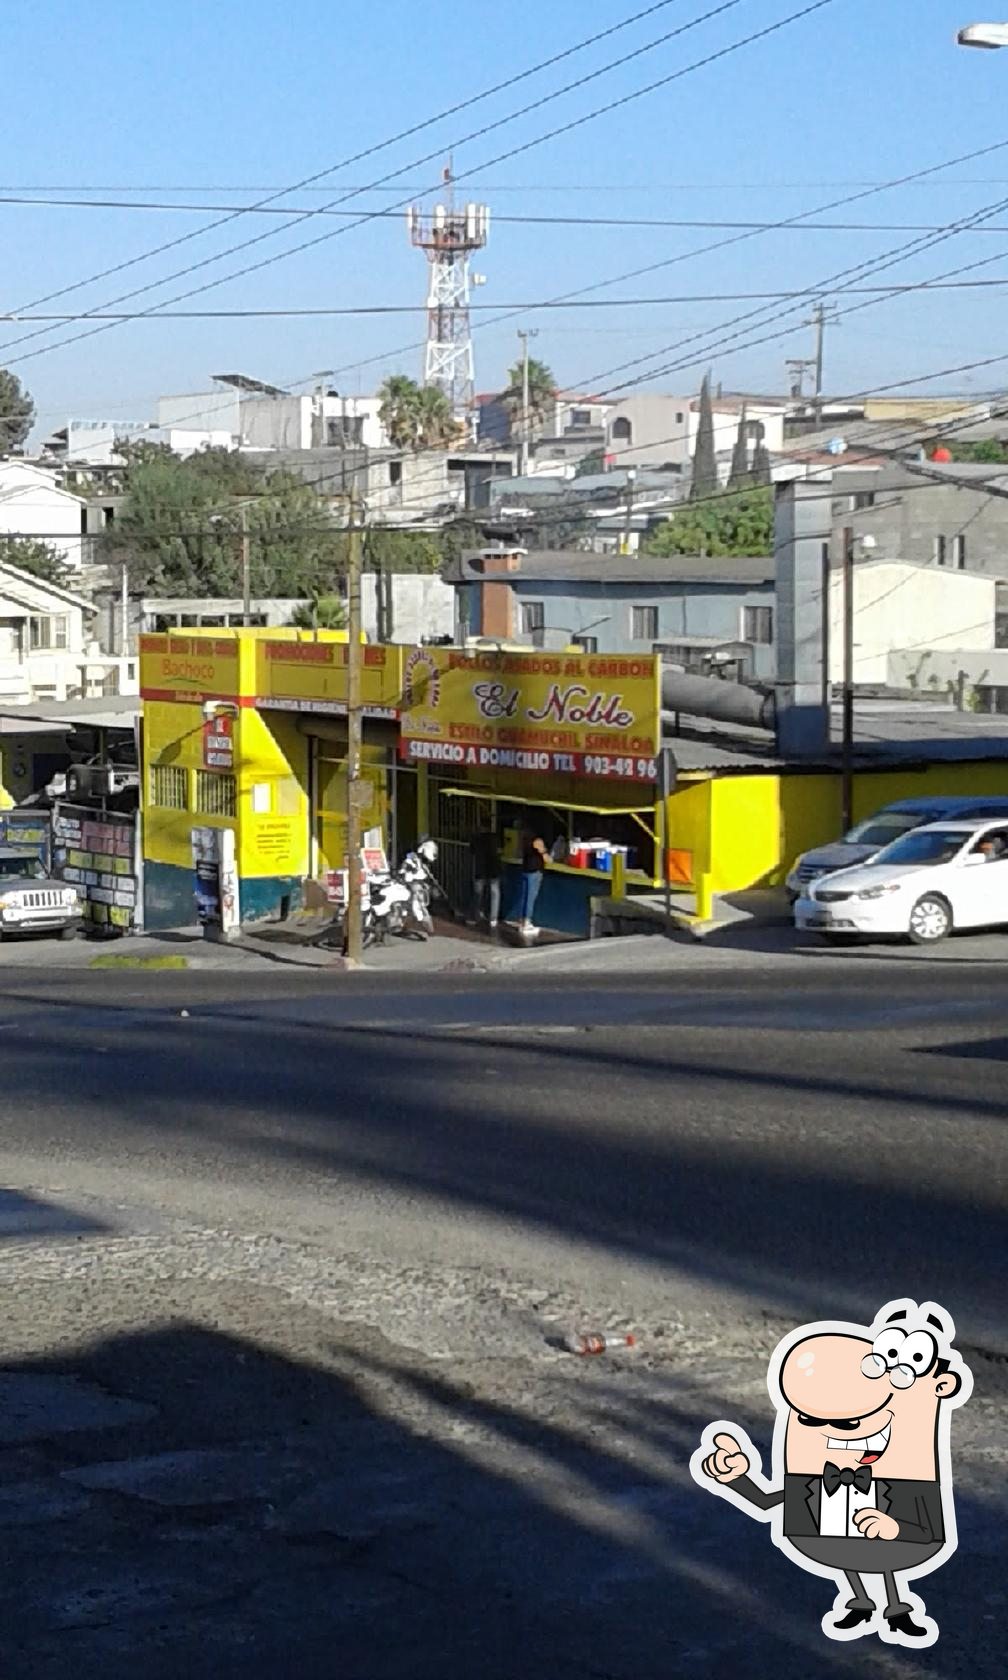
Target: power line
[[718, 245], [529, 145], [529, 304], [308, 181], [392, 175], [526, 219]]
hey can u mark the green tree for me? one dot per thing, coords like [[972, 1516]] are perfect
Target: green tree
[[761, 473], [320, 612], [739, 476], [179, 532], [404, 551], [593, 463], [397, 411], [732, 523], [416, 416], [41, 559], [705, 478], [436, 425], [542, 390], [984, 450], [17, 412]]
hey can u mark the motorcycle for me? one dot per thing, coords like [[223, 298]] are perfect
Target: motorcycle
[[393, 903], [400, 903]]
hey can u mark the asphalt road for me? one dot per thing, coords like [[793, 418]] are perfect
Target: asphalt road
[[377, 1202]]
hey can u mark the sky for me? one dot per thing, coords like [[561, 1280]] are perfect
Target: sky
[[221, 102]]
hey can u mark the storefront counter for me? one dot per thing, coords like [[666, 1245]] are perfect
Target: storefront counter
[[564, 901]]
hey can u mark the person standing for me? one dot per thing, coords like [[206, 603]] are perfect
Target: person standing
[[484, 854], [533, 863]]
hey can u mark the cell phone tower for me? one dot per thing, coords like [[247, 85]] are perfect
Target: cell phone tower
[[449, 236]]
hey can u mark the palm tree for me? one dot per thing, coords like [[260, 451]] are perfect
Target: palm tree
[[541, 385], [400, 397], [436, 425]]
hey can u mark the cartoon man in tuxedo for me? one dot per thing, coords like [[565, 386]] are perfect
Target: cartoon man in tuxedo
[[861, 1459]]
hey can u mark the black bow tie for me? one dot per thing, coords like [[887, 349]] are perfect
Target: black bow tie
[[832, 1478]]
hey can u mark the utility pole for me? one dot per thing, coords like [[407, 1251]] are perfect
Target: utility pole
[[523, 461], [631, 479], [820, 320], [847, 726], [124, 612], [246, 568], [355, 787]]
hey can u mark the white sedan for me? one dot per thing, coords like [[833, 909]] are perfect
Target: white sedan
[[952, 874]]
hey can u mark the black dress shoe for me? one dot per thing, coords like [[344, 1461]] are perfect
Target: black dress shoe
[[853, 1618], [904, 1623]]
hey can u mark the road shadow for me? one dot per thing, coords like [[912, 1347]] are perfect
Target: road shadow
[[23, 1218], [347, 1508], [797, 1189]]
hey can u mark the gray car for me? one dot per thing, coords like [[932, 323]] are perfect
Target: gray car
[[31, 901], [866, 839]]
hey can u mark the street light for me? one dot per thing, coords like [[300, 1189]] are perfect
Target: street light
[[989, 35]]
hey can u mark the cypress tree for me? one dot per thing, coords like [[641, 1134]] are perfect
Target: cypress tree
[[761, 458], [705, 478], [739, 475]]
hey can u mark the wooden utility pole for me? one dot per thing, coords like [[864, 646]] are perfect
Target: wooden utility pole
[[355, 787], [523, 462], [847, 726], [246, 568]]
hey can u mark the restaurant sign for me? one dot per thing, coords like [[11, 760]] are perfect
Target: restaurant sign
[[312, 677], [544, 713]]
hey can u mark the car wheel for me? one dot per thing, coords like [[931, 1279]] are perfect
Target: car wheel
[[930, 920]]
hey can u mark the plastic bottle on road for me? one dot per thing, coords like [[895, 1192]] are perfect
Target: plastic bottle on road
[[597, 1343]]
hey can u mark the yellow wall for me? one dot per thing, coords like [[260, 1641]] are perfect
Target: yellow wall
[[271, 763], [331, 800], [759, 824], [173, 735]]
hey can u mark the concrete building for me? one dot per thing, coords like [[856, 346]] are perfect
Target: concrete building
[[32, 504], [654, 429], [422, 608], [943, 515], [248, 414], [694, 610]]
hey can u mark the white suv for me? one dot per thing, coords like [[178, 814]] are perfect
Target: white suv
[[30, 901]]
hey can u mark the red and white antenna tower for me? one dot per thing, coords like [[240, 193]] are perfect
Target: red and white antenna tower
[[449, 236]]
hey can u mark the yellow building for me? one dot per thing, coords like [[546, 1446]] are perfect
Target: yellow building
[[246, 730]]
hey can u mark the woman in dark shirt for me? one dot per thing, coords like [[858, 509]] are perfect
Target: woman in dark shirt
[[533, 862]]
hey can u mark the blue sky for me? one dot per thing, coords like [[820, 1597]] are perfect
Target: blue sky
[[211, 100]]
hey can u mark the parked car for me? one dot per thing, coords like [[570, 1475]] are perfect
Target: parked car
[[952, 874], [866, 839], [31, 901]]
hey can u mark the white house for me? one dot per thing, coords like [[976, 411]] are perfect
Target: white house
[[33, 505], [46, 648], [654, 429]]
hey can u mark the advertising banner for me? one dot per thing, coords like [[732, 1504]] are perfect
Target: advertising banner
[[187, 668], [96, 854], [312, 677], [216, 878], [541, 713]]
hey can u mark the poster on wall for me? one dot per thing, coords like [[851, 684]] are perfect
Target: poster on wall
[[96, 853], [215, 878]]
